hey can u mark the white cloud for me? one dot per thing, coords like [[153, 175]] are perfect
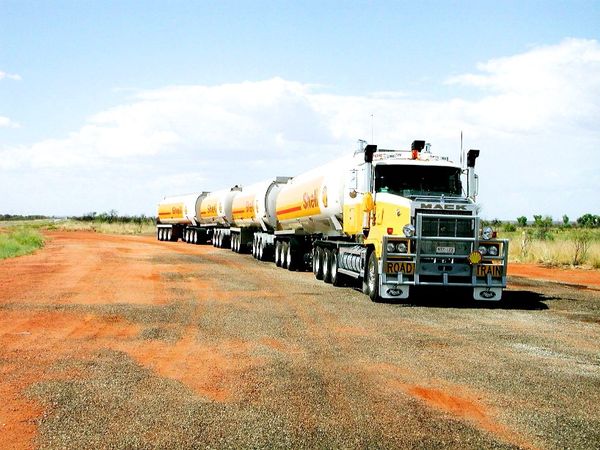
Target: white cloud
[[5, 122], [535, 120], [9, 76]]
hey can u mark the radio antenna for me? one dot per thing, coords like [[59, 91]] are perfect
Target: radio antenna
[[371, 128], [461, 149]]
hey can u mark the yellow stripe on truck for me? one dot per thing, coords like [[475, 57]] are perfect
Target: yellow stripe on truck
[[208, 209], [243, 207], [300, 200], [171, 211]]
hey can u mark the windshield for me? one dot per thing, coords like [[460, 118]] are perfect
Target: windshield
[[412, 180]]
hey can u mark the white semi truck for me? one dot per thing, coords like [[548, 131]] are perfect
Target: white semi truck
[[385, 220]]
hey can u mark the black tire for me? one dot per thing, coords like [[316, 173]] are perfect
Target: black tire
[[337, 278], [291, 258], [373, 278], [284, 254], [278, 253], [318, 263], [327, 256]]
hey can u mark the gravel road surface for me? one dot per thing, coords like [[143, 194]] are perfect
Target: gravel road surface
[[127, 342]]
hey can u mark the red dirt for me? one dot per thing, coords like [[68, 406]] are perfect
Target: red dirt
[[583, 277], [82, 268]]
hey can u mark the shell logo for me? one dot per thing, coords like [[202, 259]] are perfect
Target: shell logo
[[324, 196]]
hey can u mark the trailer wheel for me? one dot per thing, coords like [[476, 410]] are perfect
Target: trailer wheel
[[318, 263], [327, 265], [290, 257], [337, 278], [262, 250], [284, 254], [373, 278], [278, 253]]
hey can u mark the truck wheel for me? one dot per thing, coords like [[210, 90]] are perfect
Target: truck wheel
[[284, 254], [263, 250], [373, 278], [318, 263], [327, 257], [278, 254], [337, 279], [291, 258]]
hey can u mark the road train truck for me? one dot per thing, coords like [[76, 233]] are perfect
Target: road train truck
[[386, 221]]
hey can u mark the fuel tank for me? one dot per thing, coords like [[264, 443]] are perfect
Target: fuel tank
[[254, 206], [216, 207], [314, 200], [179, 209]]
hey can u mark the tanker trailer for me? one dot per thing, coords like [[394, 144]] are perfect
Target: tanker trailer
[[177, 218], [389, 221], [253, 216], [214, 215]]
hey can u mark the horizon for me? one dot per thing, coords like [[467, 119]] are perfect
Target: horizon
[[105, 105]]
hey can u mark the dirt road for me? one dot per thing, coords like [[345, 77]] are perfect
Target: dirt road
[[127, 342]]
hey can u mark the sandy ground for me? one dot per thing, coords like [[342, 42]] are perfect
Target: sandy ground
[[127, 342]]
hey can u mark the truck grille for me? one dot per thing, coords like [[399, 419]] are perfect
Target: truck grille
[[446, 227]]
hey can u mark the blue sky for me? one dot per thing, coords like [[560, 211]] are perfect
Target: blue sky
[[114, 104]]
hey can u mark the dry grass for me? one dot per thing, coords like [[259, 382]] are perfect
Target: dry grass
[[104, 227], [563, 248]]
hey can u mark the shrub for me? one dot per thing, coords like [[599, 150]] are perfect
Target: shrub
[[581, 243]]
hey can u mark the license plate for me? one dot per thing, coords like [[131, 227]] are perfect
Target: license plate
[[405, 267], [445, 250], [484, 270]]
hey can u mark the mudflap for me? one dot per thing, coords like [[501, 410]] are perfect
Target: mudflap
[[394, 291], [489, 294]]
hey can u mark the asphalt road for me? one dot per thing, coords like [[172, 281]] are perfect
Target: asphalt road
[[126, 342]]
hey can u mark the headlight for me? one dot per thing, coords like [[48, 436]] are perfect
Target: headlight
[[482, 250], [487, 233], [402, 247], [391, 248], [408, 230], [493, 250]]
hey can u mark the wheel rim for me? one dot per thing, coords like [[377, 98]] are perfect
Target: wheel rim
[[317, 261], [289, 255], [283, 256], [333, 265], [371, 280]]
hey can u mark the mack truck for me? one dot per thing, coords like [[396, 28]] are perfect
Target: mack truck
[[385, 221]]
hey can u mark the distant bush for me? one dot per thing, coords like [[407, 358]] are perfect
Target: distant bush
[[522, 221], [13, 217], [589, 221], [509, 227], [113, 217]]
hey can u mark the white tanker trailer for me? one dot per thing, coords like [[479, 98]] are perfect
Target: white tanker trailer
[[386, 220], [177, 217]]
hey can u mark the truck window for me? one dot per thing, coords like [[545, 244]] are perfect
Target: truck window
[[410, 181]]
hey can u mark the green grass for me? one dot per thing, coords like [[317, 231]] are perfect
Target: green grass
[[19, 240]]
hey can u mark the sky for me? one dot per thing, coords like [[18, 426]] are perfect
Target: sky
[[111, 105]]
